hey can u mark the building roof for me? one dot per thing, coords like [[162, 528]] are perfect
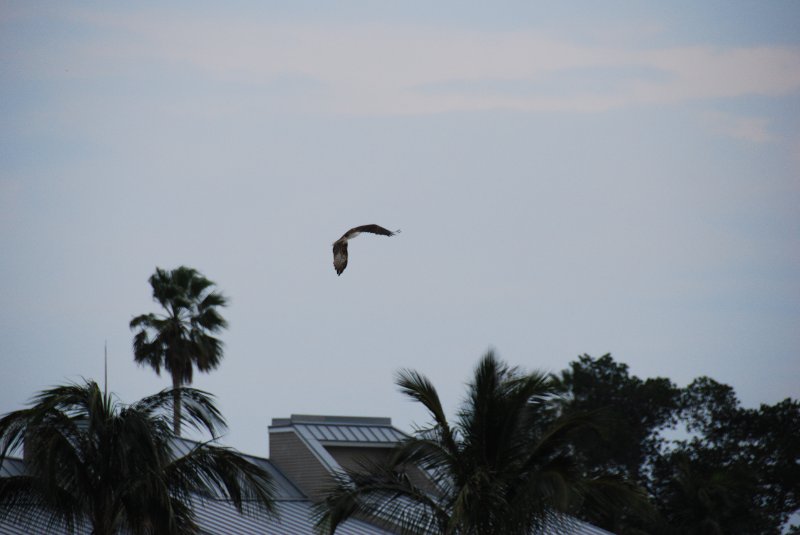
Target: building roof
[[284, 488], [295, 511], [295, 517], [317, 432], [12, 526], [343, 430]]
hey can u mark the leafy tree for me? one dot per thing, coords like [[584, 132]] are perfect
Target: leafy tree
[[735, 470], [637, 411], [90, 459], [182, 337], [761, 444], [698, 496], [498, 469]]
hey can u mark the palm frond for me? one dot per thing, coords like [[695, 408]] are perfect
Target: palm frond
[[385, 494], [419, 388], [221, 473], [198, 408], [558, 434], [91, 459], [22, 501], [602, 494]]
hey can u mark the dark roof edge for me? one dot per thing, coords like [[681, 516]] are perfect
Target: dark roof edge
[[333, 420]]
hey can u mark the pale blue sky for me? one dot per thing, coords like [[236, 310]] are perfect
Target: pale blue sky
[[581, 178]]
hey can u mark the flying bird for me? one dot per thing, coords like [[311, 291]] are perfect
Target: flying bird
[[340, 245]]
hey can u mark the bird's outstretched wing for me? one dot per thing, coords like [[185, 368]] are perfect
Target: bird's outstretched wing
[[374, 229], [340, 245], [340, 256]]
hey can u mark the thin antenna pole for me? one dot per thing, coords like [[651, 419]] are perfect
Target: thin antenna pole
[[105, 369]]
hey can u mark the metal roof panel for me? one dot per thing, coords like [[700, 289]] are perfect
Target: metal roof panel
[[366, 434]]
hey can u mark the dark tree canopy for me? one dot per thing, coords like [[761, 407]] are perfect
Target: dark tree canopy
[[732, 470], [636, 412]]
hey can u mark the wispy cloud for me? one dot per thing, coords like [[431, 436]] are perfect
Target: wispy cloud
[[753, 129], [393, 69]]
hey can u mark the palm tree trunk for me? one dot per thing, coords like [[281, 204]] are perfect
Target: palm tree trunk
[[176, 406]]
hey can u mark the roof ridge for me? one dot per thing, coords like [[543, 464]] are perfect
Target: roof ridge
[[345, 423], [320, 419]]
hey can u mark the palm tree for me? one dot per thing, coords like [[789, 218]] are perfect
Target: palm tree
[[498, 469], [183, 337], [91, 460]]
